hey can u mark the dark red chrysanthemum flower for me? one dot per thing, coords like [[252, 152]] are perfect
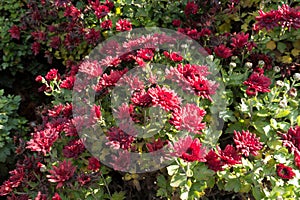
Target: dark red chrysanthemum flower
[[40, 196], [229, 155], [189, 118], [176, 57], [267, 20], [73, 149], [222, 51], [240, 40], [146, 54], [72, 11], [92, 36], [119, 139], [55, 41], [259, 82], [62, 173], [68, 83], [35, 47], [110, 80], [191, 8], [213, 161], [141, 98], [42, 141], [195, 152], [247, 143], [83, 179], [94, 164], [165, 98], [107, 24], [176, 22], [291, 139], [251, 91], [285, 172], [14, 32], [123, 25], [56, 196], [52, 74], [297, 159], [92, 68], [15, 179], [155, 145]]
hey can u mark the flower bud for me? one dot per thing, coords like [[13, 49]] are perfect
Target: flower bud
[[234, 57], [210, 58], [248, 64], [279, 83], [296, 76], [276, 69], [261, 63], [232, 65], [293, 92], [283, 103]]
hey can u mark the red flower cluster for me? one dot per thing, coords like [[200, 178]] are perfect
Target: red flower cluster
[[195, 152], [193, 78], [228, 156], [191, 8], [291, 139], [165, 98], [189, 118], [285, 16], [14, 32], [173, 56], [62, 173], [123, 25], [247, 143], [257, 82], [119, 139], [15, 179], [285, 172], [222, 51], [73, 149], [94, 164]]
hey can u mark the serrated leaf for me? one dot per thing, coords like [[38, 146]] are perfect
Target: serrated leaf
[[233, 185], [118, 195], [201, 172]]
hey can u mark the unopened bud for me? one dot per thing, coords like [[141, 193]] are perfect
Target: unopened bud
[[283, 103], [232, 65], [210, 58], [248, 64], [296, 76], [276, 69], [261, 63], [279, 83], [234, 57], [293, 92]]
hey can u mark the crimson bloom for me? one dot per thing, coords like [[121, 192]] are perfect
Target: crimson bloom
[[62, 173], [258, 82], [285, 172], [229, 155], [176, 22], [94, 164], [247, 143], [297, 159], [14, 32], [119, 139], [213, 161], [123, 25], [291, 139], [42, 141], [222, 51], [165, 98], [107, 24], [146, 54], [191, 8], [56, 196], [73, 149], [52, 74], [195, 152], [189, 117]]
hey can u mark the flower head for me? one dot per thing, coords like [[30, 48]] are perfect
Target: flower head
[[62, 173], [285, 172], [247, 143], [94, 164], [195, 152], [291, 139], [123, 25], [222, 51]]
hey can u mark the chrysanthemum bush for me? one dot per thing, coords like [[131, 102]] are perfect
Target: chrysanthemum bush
[[257, 152]]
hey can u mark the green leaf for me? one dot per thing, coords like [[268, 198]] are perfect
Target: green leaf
[[118, 195], [172, 169], [298, 120], [233, 185], [201, 172], [178, 180], [282, 113]]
